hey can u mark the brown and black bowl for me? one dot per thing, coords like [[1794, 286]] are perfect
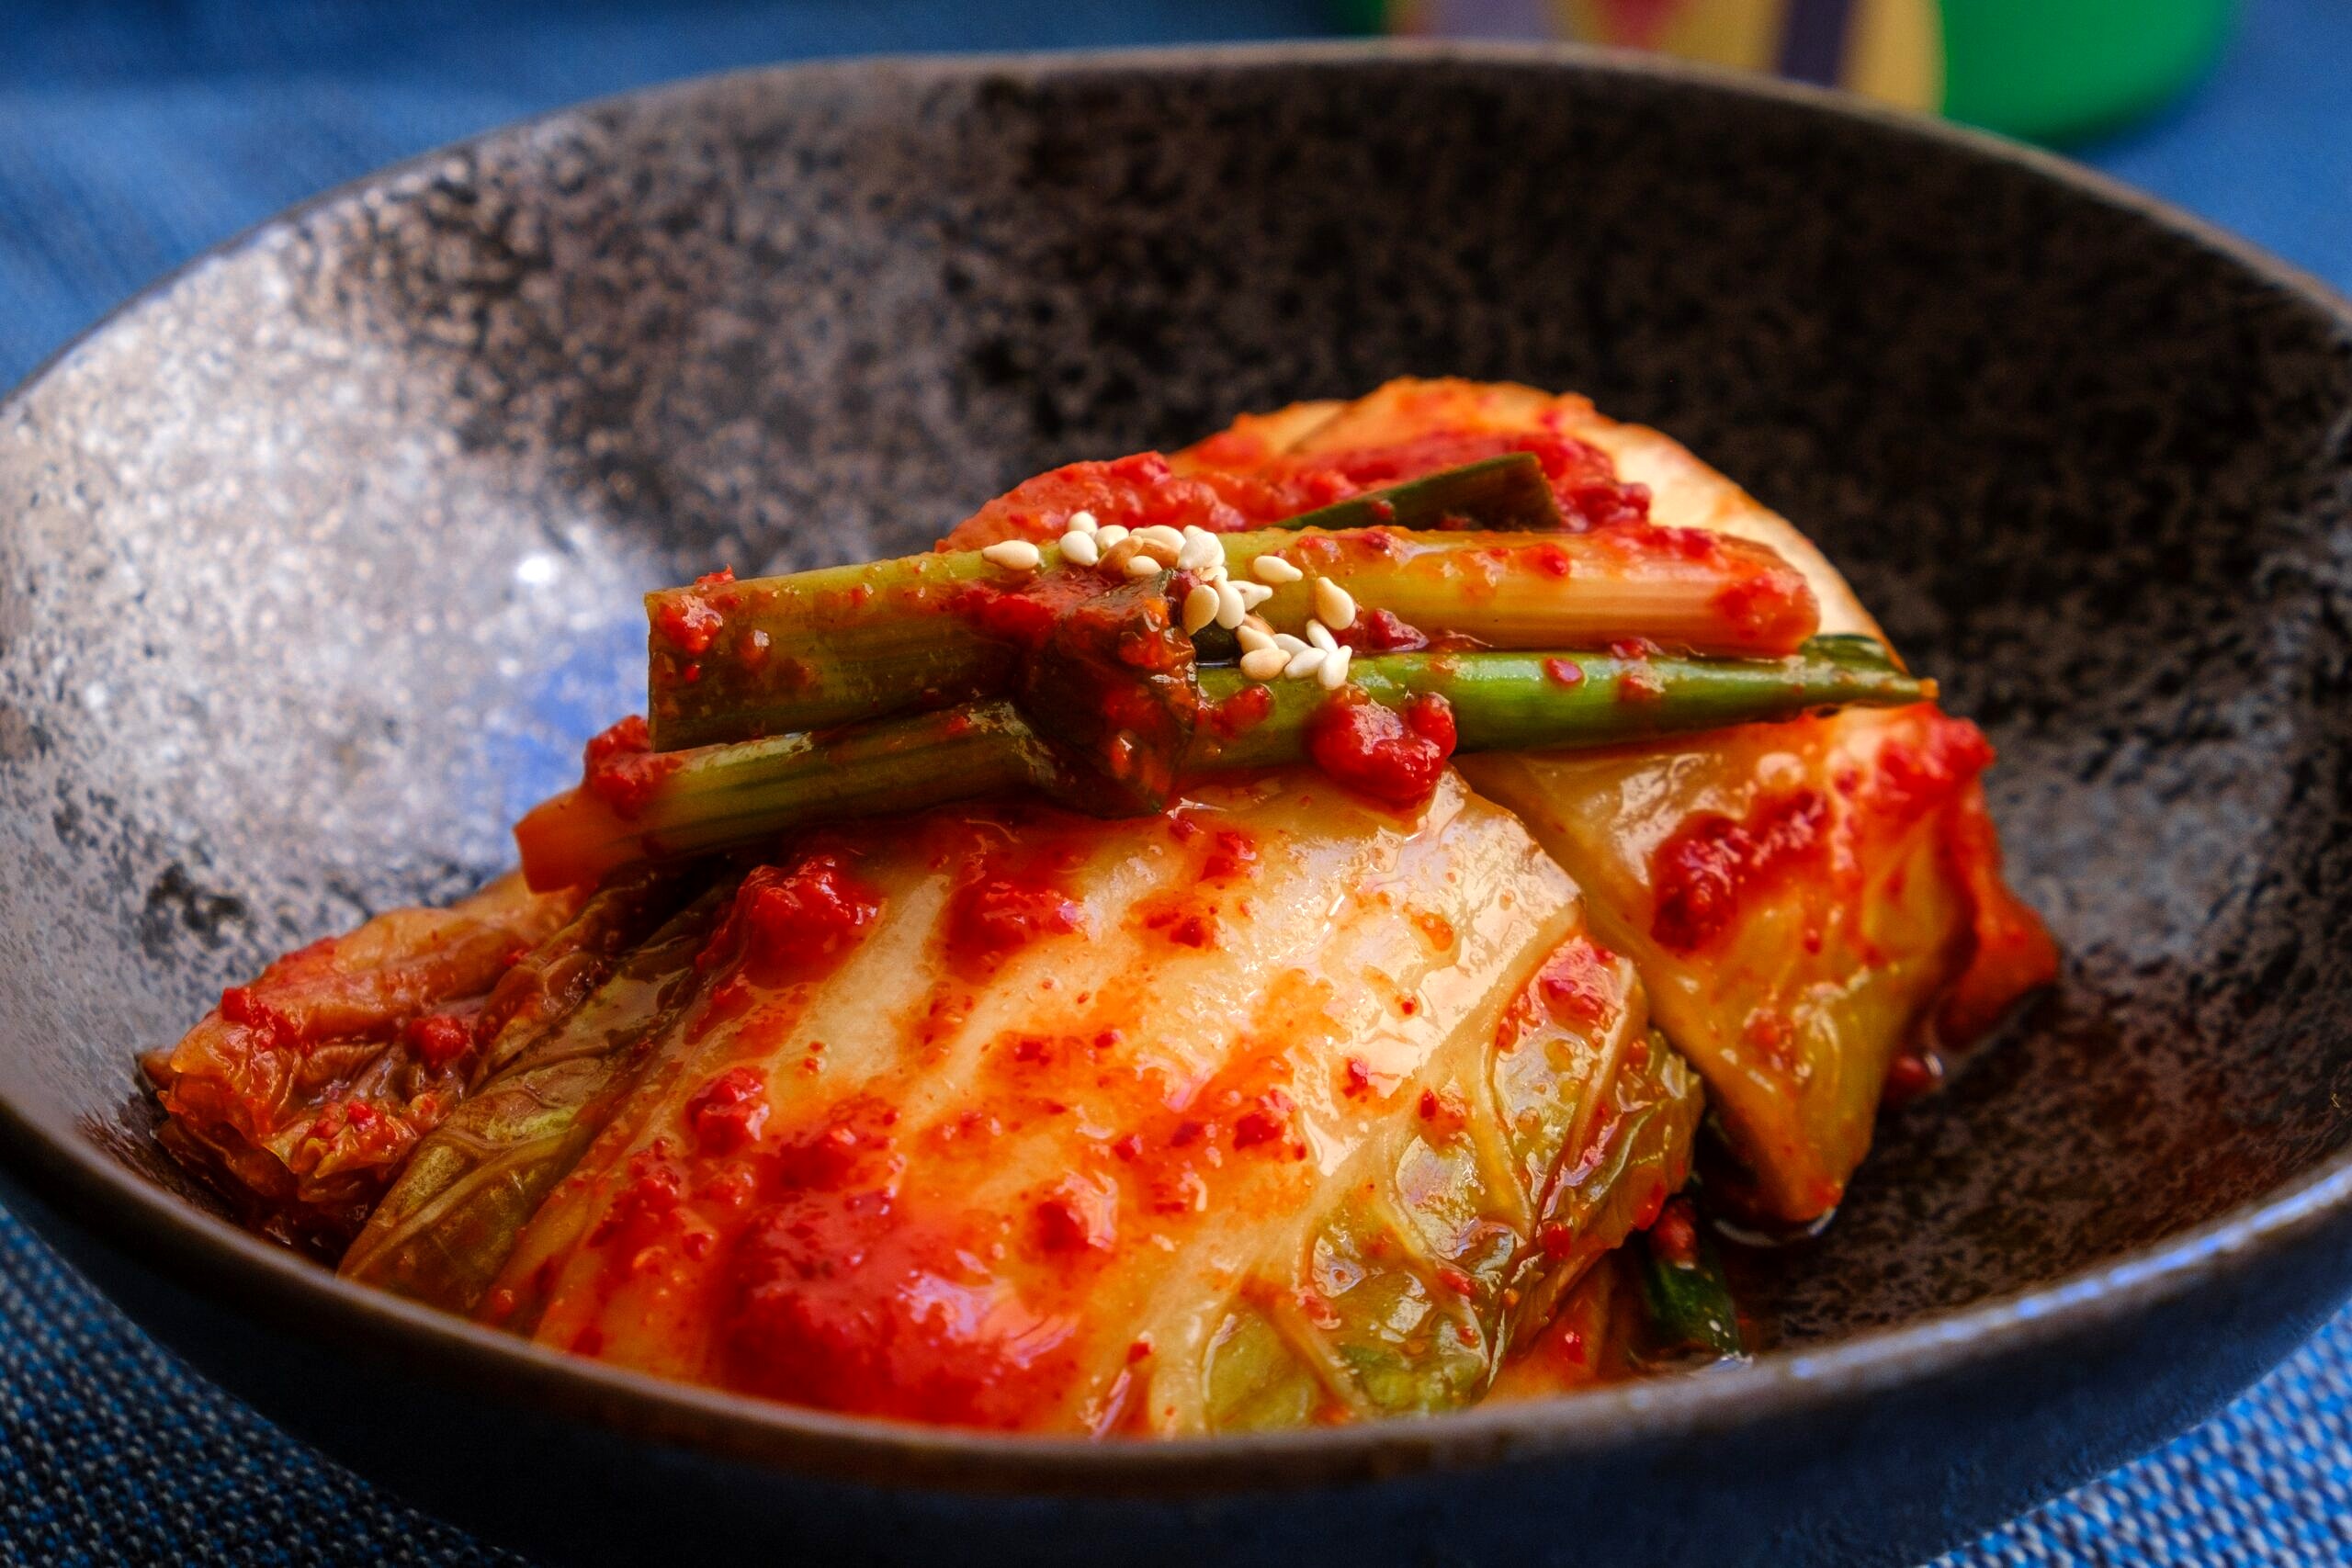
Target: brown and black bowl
[[318, 562]]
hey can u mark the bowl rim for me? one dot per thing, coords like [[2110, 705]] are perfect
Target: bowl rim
[[81, 1183]]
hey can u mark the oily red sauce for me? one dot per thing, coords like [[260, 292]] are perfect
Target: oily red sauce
[[1188, 914], [1674, 1238], [1336, 554], [1268, 1121], [243, 1006], [1702, 874], [863, 1277], [1926, 770], [799, 920], [1021, 612], [1651, 1204], [1240, 713], [1564, 672], [439, 1039], [1077, 1215], [1920, 772], [1393, 757], [1011, 896], [688, 623], [1769, 603], [1106, 674], [996, 915], [1913, 1074], [1380, 631], [1549, 559], [621, 768], [1768, 1035], [2010, 951], [1027, 611], [842, 1294], [690, 619], [1762, 602], [1580, 984], [728, 1112], [642, 1213], [1639, 682], [1579, 988], [1180, 918], [843, 1259], [1233, 855]]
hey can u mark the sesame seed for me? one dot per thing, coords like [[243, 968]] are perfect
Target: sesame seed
[[1264, 663], [1320, 636], [1141, 565], [1253, 641], [1253, 594], [1334, 672], [1274, 569], [1155, 548], [1161, 536], [1108, 537], [1082, 522], [1201, 550], [1288, 643], [1229, 609], [1258, 624], [1019, 555], [1200, 608], [1334, 605], [1305, 661], [1080, 549]]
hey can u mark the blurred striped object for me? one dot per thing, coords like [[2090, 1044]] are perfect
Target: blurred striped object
[[2048, 70]]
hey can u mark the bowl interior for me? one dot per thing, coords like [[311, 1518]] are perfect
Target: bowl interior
[[317, 565]]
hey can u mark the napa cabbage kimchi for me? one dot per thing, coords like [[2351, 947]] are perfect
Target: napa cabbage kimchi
[[1319, 925]]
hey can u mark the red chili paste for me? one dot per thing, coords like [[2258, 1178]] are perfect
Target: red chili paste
[[1700, 875], [622, 769], [1395, 758]]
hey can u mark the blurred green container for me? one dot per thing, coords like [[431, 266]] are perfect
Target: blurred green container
[[2045, 70], [2054, 69]]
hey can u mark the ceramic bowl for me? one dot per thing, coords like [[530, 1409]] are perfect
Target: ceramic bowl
[[318, 561]]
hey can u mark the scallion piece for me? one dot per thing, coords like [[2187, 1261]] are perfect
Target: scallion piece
[[1545, 702], [738, 661], [1688, 1311], [724, 797]]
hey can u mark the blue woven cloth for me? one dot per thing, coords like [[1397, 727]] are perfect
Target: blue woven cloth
[[133, 136]]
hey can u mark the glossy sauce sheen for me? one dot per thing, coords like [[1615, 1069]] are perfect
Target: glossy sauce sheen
[[1303, 1103], [1006, 1194], [1807, 903], [1390, 755]]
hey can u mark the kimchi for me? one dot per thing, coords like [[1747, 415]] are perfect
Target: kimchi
[[1318, 926]]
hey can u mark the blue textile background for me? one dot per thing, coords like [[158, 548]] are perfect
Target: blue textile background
[[132, 136]]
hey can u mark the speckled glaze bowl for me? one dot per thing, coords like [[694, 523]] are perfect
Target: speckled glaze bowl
[[317, 563]]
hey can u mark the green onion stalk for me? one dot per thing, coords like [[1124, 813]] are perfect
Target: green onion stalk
[[1687, 1310], [733, 662], [745, 794]]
